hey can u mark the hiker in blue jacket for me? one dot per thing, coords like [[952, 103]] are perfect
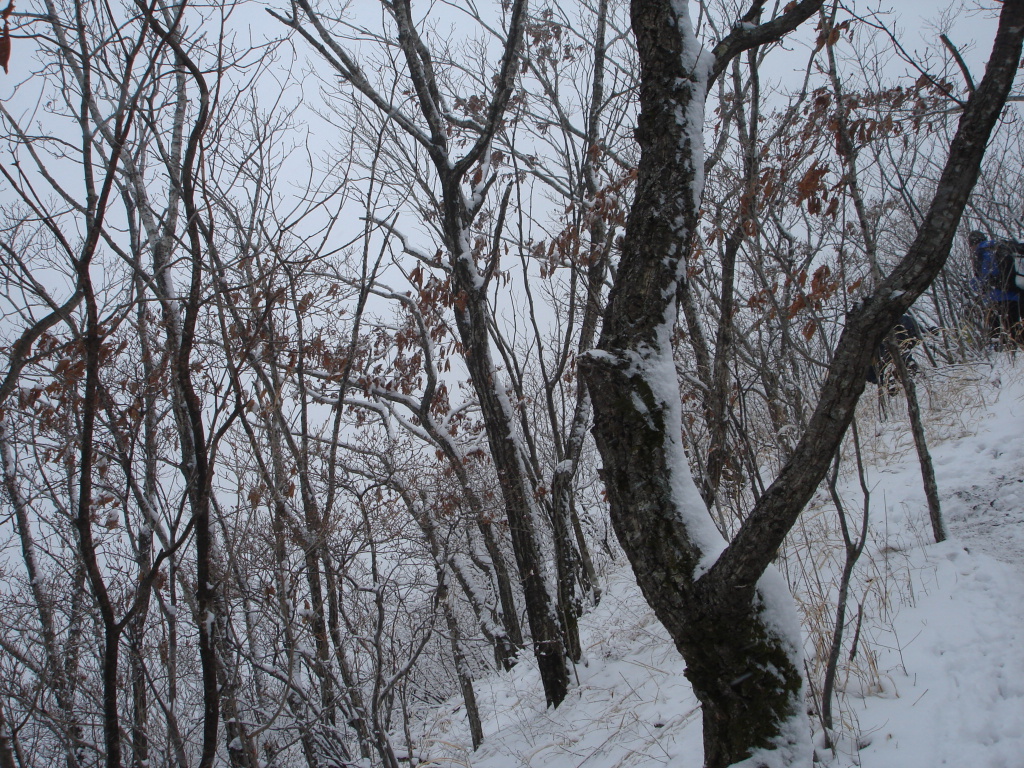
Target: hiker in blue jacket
[[994, 280]]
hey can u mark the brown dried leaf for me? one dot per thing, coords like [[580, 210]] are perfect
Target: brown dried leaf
[[5, 40], [811, 182], [5, 49]]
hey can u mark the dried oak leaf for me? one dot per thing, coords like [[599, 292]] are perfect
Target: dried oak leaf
[[5, 38], [5, 48]]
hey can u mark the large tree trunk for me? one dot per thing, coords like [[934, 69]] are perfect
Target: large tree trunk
[[729, 615], [743, 662]]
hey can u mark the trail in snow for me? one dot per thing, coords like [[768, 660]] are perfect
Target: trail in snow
[[955, 653]]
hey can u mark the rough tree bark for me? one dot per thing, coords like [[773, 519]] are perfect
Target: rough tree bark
[[728, 614]]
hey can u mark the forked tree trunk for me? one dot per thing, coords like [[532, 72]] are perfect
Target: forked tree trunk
[[729, 616], [744, 668], [744, 671], [472, 314]]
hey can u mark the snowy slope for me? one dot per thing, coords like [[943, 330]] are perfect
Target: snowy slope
[[943, 650], [956, 653]]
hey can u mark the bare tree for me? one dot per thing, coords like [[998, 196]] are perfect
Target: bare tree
[[464, 180]]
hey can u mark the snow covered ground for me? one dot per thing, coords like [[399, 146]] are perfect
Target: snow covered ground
[[939, 676]]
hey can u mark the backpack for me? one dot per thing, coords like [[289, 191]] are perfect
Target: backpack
[[1008, 257], [1016, 254]]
